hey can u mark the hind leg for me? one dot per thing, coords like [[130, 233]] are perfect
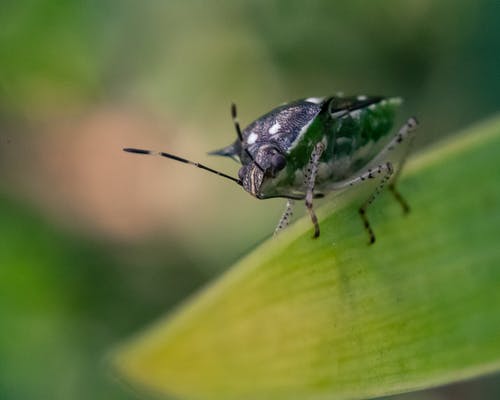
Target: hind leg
[[404, 136], [381, 173], [384, 173]]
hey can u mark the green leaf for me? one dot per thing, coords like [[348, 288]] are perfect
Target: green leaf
[[335, 318]]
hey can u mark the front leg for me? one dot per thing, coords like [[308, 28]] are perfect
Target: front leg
[[309, 182], [285, 218]]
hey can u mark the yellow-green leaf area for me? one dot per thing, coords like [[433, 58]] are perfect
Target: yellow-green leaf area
[[334, 318]]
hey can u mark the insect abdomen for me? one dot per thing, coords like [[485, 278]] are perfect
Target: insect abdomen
[[356, 138]]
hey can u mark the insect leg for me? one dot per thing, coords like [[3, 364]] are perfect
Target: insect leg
[[404, 136], [309, 182], [383, 172], [285, 218]]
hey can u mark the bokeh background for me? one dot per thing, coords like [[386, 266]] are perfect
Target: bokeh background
[[95, 243]]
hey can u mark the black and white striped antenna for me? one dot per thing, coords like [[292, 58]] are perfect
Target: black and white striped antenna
[[183, 160], [196, 164], [234, 115]]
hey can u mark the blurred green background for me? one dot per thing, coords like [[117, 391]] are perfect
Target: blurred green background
[[95, 243]]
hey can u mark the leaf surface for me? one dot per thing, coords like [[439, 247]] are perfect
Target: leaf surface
[[334, 318]]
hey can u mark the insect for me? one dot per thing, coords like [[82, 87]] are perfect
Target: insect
[[310, 147]]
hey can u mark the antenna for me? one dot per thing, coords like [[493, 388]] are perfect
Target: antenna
[[234, 115], [183, 160]]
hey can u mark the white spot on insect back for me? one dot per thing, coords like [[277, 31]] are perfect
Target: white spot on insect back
[[395, 101], [355, 114], [275, 128], [362, 97], [252, 138], [315, 100], [301, 133], [305, 127], [339, 113]]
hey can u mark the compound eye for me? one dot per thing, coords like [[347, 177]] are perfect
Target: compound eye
[[278, 162]]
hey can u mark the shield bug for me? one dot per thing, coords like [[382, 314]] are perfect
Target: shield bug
[[307, 148]]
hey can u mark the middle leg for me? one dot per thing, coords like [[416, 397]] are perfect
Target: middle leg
[[309, 182], [406, 137]]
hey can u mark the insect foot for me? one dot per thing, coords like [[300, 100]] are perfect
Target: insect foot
[[362, 213]]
